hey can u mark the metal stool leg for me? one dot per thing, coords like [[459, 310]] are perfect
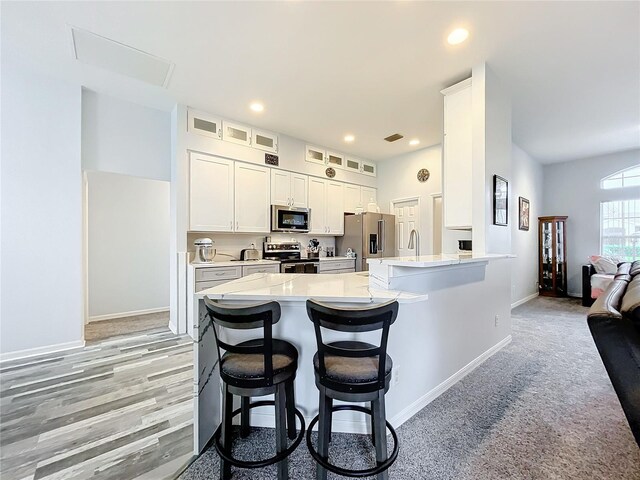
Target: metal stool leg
[[324, 433], [225, 434], [281, 431], [291, 410], [373, 427], [244, 417], [379, 419]]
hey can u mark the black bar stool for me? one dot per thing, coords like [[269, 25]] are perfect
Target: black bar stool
[[257, 367], [352, 371]]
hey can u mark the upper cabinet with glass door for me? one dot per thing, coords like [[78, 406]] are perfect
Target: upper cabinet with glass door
[[335, 160], [236, 133], [204, 124]]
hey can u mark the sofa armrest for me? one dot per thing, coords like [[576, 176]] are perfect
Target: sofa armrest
[[587, 271]]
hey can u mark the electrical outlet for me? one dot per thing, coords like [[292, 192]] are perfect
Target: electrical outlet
[[395, 375], [497, 320]]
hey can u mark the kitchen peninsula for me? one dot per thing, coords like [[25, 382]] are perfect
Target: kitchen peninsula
[[443, 330]]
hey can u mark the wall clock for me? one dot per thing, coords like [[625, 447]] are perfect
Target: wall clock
[[330, 172], [423, 175]]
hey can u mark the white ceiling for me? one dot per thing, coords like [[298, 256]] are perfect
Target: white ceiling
[[324, 69]]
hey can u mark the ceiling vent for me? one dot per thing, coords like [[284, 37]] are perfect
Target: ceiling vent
[[105, 53], [394, 137]]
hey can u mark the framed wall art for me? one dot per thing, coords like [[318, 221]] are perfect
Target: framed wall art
[[523, 213], [500, 201]]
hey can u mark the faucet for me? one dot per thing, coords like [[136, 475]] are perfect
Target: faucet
[[416, 245]]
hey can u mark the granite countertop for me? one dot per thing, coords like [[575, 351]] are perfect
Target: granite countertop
[[427, 261], [291, 287]]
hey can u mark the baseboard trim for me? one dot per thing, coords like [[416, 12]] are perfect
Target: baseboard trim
[[524, 300], [260, 419], [33, 352], [134, 313], [434, 393]]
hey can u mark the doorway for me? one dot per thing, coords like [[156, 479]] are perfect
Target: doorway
[[437, 224], [407, 212], [127, 255]]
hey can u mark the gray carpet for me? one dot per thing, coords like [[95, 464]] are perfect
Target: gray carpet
[[542, 408]]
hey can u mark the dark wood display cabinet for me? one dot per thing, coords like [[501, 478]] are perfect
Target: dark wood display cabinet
[[552, 252]]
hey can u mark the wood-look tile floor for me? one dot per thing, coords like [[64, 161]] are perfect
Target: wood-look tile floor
[[117, 409]]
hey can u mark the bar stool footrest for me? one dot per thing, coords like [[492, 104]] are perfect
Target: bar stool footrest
[[267, 461], [381, 467]]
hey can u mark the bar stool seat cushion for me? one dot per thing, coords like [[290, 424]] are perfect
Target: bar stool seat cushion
[[349, 369], [251, 365]]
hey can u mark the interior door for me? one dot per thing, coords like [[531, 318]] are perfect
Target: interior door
[[407, 218]]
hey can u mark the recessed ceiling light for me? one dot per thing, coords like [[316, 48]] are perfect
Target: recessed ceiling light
[[256, 107], [349, 138], [415, 141], [459, 35]]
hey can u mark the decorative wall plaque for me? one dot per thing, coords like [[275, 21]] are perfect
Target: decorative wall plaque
[[270, 159], [423, 175], [330, 172]]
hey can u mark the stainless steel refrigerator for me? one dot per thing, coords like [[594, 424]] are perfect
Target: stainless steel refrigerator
[[370, 235]]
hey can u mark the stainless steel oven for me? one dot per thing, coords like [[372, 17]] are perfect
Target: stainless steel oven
[[289, 219], [291, 261]]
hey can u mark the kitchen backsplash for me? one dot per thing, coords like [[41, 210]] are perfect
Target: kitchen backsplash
[[229, 245]]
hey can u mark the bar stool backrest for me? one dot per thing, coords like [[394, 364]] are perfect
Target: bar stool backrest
[[262, 315], [350, 319]]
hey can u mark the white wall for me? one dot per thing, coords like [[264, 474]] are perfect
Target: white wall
[[397, 178], [491, 156], [526, 181], [123, 137], [573, 189], [42, 301], [128, 247]]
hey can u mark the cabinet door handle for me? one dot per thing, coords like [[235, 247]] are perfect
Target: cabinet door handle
[[236, 225]]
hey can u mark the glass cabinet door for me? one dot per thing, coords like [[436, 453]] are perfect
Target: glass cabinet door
[[553, 264]]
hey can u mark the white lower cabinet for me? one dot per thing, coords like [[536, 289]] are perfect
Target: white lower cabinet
[[337, 266], [251, 269]]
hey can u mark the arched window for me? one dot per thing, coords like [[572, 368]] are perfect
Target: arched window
[[629, 177], [620, 219]]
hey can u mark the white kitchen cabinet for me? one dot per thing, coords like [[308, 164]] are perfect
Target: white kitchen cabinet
[[456, 185], [252, 198], [236, 133], [327, 265], [288, 188], [211, 186], [204, 124], [251, 269], [335, 208], [326, 201], [352, 164], [368, 195], [315, 155], [335, 160], [351, 197], [368, 168], [266, 141], [317, 204]]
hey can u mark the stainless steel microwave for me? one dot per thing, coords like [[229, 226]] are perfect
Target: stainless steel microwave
[[289, 219]]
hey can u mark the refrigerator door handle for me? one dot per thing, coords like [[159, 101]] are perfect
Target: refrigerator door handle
[[381, 236]]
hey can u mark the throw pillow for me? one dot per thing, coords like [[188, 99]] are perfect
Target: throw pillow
[[604, 265]]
